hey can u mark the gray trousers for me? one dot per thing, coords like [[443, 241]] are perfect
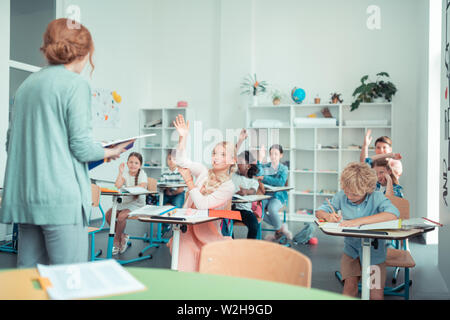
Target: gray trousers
[[52, 244]]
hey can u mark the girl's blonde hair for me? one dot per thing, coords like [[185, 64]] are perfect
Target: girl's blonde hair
[[358, 178], [215, 180]]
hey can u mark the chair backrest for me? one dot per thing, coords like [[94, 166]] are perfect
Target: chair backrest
[[402, 205], [151, 184], [95, 195], [249, 258]]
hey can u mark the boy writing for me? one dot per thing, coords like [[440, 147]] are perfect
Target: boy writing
[[359, 205]]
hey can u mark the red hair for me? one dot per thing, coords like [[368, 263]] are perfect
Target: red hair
[[64, 43]]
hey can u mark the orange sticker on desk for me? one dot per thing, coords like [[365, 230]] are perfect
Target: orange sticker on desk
[[227, 214], [44, 283]]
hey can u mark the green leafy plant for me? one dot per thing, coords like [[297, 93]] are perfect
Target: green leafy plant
[[381, 88], [276, 94], [252, 86]]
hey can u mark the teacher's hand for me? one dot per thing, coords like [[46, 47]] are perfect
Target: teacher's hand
[[114, 153]]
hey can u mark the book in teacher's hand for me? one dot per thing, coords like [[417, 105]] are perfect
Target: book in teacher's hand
[[93, 164]]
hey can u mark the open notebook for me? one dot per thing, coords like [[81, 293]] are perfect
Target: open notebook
[[386, 225], [88, 280]]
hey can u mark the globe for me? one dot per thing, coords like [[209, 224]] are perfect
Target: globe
[[298, 95]]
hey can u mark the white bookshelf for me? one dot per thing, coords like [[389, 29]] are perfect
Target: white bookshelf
[[314, 171], [154, 149]]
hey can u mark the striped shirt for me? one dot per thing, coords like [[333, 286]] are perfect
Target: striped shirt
[[169, 176]]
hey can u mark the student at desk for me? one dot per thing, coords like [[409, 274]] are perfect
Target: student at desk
[[274, 173], [213, 189], [387, 182], [134, 176], [173, 196], [246, 185], [359, 204]]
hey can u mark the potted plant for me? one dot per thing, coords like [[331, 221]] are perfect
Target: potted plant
[[276, 97], [336, 97], [252, 86], [367, 92]]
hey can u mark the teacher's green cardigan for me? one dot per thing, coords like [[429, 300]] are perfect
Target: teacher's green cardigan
[[49, 144]]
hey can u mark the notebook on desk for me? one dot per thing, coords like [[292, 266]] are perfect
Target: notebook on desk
[[151, 210], [87, 280], [398, 224]]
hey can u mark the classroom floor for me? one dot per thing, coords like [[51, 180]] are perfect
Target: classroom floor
[[325, 257]]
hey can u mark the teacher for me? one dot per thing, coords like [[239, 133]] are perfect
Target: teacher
[[49, 143]]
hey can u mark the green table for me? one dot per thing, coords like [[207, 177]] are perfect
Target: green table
[[166, 284]]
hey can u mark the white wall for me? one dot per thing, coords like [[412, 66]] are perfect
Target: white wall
[[122, 36], [444, 210]]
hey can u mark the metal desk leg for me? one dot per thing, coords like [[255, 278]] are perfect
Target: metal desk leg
[[175, 246], [365, 268], [112, 226]]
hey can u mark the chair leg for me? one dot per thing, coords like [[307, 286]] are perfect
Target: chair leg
[[406, 283]]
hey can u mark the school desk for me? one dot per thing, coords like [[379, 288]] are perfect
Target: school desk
[[369, 238], [178, 226], [165, 284], [117, 198], [161, 188]]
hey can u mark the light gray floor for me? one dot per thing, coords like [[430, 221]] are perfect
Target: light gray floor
[[325, 258]]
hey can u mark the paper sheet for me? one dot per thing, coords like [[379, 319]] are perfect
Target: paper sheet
[[88, 280], [151, 210], [135, 190]]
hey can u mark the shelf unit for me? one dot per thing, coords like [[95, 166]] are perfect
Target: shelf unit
[[154, 149], [317, 154]]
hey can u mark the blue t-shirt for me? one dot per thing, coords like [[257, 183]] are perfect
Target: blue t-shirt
[[374, 203], [274, 177], [396, 188]]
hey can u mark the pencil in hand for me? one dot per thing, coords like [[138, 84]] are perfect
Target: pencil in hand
[[334, 212]]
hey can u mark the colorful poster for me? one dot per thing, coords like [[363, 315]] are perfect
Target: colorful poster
[[105, 108]]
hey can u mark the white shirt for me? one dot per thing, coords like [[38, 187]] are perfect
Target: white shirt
[[130, 182], [244, 183]]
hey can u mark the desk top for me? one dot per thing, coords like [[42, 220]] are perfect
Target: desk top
[[391, 234], [166, 284], [277, 189], [190, 221], [252, 198], [125, 194]]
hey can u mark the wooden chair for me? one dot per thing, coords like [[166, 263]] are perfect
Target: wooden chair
[[400, 257], [249, 258], [93, 230], [152, 186]]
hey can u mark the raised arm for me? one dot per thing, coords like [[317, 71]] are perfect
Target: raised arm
[[181, 159], [242, 136], [365, 147]]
